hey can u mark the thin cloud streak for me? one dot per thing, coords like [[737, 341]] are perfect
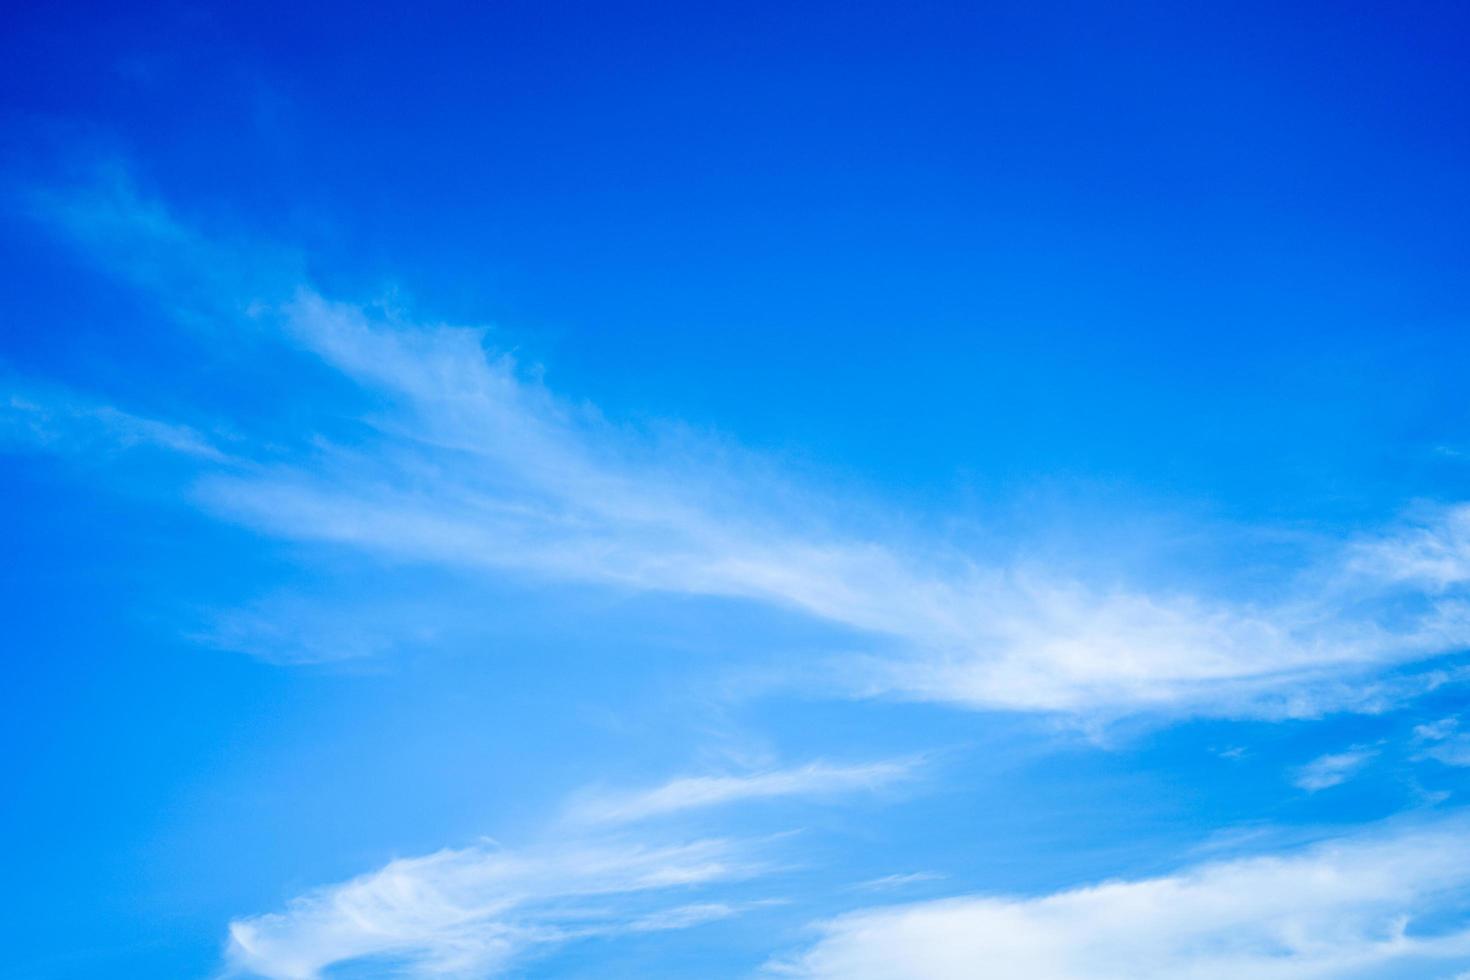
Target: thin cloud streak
[[63, 422], [700, 792]]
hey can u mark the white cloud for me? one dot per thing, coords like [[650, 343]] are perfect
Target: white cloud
[[695, 792], [474, 912], [55, 420], [482, 467], [193, 267], [1434, 552], [478, 466], [1443, 742], [303, 628], [1332, 769], [894, 881], [1337, 910], [688, 916], [1452, 751], [1436, 731]]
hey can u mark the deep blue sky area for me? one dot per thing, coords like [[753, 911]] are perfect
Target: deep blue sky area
[[703, 490]]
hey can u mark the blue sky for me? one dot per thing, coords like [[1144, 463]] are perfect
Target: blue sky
[[844, 491]]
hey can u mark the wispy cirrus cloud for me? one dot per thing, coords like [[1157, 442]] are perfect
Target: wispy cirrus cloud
[[475, 464], [1443, 741], [476, 912], [896, 881], [1332, 769], [1433, 552], [699, 792], [522, 480], [1390, 901], [63, 421]]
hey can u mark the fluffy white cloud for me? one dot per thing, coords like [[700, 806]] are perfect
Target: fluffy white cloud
[[473, 912], [1382, 905]]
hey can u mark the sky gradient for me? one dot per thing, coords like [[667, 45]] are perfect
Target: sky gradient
[[868, 491]]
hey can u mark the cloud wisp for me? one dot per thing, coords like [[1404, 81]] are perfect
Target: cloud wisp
[[700, 792], [521, 480], [474, 912], [64, 422], [1390, 901], [477, 912], [474, 464], [1434, 553], [1332, 769], [1443, 741]]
